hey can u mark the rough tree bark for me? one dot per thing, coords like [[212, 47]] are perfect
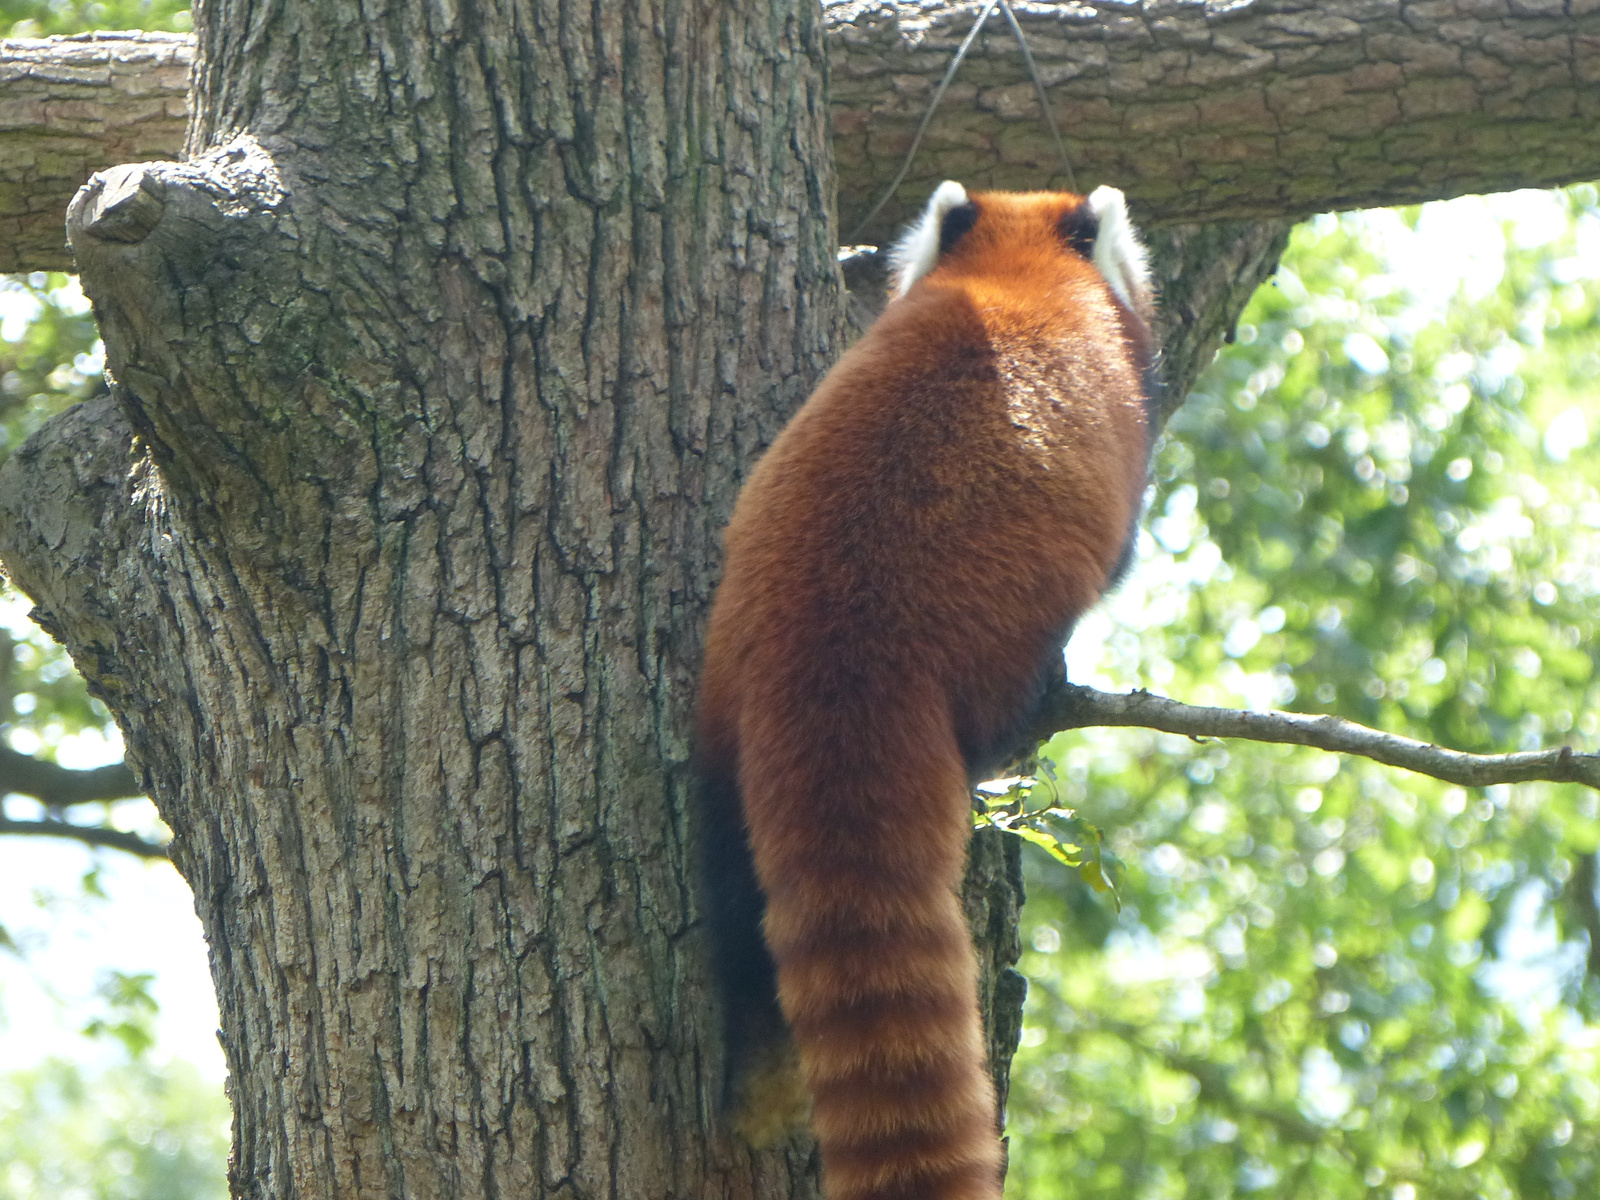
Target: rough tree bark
[[1208, 111], [436, 368], [1227, 109], [70, 107]]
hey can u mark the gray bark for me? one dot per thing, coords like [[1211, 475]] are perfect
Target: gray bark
[[1225, 109], [1200, 111], [70, 107], [436, 371]]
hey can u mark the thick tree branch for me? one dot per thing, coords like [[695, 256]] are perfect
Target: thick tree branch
[[73, 502], [59, 787], [1071, 707], [89, 835], [1201, 111], [70, 107], [1225, 109]]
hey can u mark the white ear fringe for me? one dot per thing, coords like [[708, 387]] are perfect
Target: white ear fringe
[[914, 254], [1117, 252]]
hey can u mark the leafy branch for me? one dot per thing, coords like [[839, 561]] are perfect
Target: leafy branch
[[1056, 829]]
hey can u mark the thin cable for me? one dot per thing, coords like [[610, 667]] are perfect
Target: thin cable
[[916, 141], [1044, 100]]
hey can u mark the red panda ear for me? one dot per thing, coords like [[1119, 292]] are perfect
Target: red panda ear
[[915, 254], [1118, 254], [1078, 228], [956, 222]]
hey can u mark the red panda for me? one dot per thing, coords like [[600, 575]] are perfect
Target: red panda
[[902, 570]]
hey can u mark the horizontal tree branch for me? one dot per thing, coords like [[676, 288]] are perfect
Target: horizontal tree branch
[[1225, 109], [71, 106], [58, 786], [89, 835], [1068, 706], [1200, 111]]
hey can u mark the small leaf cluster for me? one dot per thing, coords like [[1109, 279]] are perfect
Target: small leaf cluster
[[1059, 832]]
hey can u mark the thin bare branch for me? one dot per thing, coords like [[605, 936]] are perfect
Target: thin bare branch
[[90, 835], [59, 787], [1068, 706]]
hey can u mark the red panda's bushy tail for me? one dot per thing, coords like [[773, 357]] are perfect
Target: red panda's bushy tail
[[876, 972]]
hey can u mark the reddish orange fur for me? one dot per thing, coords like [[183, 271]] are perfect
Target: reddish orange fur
[[902, 568]]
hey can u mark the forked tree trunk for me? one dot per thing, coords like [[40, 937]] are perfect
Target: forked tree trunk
[[437, 367], [444, 356]]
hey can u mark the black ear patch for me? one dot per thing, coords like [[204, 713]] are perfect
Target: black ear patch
[[1079, 228], [955, 224]]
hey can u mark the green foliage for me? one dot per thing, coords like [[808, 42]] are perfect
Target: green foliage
[[131, 1011], [50, 352], [134, 1132], [1331, 979], [29, 18], [1060, 832]]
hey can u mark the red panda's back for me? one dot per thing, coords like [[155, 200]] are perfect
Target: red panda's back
[[902, 567]]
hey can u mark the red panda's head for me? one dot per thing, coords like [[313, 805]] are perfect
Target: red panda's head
[[1014, 232]]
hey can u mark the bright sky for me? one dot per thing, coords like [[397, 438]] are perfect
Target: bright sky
[[47, 995]]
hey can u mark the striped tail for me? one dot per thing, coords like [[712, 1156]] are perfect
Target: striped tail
[[877, 977]]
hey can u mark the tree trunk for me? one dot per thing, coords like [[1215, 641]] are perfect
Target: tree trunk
[[436, 369]]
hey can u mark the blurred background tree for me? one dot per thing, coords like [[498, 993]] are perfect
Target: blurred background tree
[[133, 1132], [1329, 978], [30, 18]]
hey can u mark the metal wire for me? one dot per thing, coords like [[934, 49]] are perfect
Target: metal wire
[[938, 95], [1044, 100], [950, 73]]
